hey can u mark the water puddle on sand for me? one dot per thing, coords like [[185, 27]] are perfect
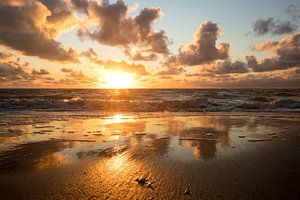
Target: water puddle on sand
[[158, 156], [54, 143]]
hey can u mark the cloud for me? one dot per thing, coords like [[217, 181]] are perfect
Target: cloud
[[31, 27], [273, 26], [141, 56], [62, 16], [41, 72], [81, 5], [203, 50], [92, 56], [9, 72], [293, 11], [266, 46], [110, 24], [283, 79], [227, 67], [270, 25], [15, 73], [171, 71], [287, 54], [112, 65], [5, 56], [75, 78], [66, 70], [139, 69]]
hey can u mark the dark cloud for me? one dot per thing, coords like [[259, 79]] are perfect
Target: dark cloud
[[66, 70], [203, 50], [15, 73], [113, 26], [287, 54], [31, 27], [171, 71], [61, 15], [41, 72], [273, 26], [9, 72], [227, 67], [81, 5]]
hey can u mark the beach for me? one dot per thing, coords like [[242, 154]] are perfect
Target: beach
[[156, 155], [143, 100]]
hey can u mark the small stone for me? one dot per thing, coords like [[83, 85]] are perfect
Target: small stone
[[241, 136], [209, 134], [187, 192], [141, 181], [149, 185]]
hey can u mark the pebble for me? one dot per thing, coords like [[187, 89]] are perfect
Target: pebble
[[149, 185], [209, 134], [141, 181], [241, 136], [187, 191]]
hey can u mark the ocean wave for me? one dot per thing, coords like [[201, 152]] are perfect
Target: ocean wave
[[152, 100]]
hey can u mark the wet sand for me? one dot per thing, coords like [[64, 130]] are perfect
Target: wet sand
[[150, 156]]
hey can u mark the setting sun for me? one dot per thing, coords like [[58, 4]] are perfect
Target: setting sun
[[119, 80]]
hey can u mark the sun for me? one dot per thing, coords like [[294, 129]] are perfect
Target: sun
[[119, 80]]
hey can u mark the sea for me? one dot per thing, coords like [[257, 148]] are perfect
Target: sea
[[151, 100]]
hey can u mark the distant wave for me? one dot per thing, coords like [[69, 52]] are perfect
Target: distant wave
[[151, 100]]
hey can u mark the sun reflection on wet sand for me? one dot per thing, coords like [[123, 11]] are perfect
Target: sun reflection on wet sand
[[112, 151]]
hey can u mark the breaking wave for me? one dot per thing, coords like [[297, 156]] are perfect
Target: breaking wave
[[146, 100]]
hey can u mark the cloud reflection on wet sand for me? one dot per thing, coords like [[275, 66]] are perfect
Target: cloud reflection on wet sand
[[115, 150]]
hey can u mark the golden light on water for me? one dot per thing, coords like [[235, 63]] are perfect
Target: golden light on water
[[119, 80], [117, 118]]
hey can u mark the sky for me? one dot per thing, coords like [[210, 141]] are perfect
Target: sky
[[149, 44]]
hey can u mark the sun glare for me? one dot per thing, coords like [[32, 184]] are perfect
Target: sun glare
[[119, 80]]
